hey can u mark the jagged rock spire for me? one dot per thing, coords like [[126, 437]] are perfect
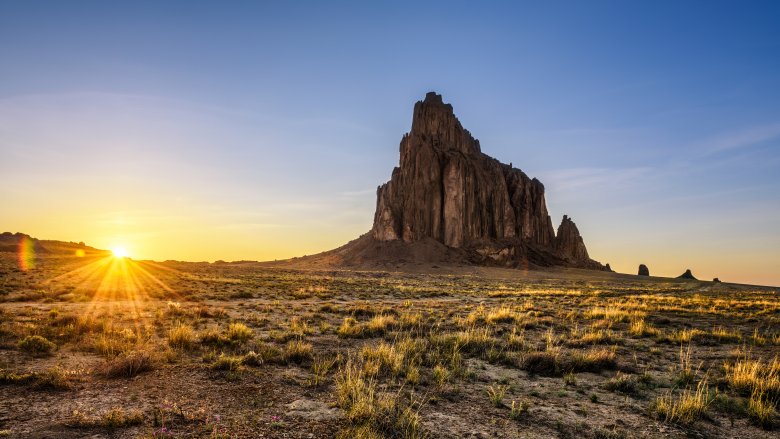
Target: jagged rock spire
[[568, 241], [446, 189]]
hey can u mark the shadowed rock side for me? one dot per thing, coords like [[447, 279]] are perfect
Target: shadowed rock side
[[447, 190], [643, 270], [569, 243], [687, 275]]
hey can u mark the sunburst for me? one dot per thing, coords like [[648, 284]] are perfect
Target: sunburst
[[117, 283]]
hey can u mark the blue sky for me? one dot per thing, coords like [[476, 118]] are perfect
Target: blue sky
[[259, 131]]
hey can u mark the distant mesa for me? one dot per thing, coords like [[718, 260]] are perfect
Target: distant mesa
[[687, 275], [643, 270], [716, 280], [447, 201]]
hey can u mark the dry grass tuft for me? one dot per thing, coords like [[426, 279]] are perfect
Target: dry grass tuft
[[686, 407], [640, 328], [379, 325], [613, 314], [761, 410], [749, 377], [298, 351], [129, 364], [181, 336], [373, 414], [503, 314], [238, 332], [496, 394], [230, 363]]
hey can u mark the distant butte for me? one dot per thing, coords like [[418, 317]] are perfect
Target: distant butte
[[447, 201]]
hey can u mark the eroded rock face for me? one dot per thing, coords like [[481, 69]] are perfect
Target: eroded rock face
[[643, 270], [446, 189], [568, 241]]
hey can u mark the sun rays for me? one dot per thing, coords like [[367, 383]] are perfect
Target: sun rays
[[118, 284]]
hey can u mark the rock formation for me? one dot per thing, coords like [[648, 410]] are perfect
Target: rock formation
[[687, 275], [716, 280], [568, 241], [643, 270], [447, 190]]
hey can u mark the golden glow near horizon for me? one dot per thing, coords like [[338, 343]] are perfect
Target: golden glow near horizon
[[187, 233], [199, 239], [119, 284], [119, 252]]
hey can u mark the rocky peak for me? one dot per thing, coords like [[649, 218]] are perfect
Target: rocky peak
[[568, 241], [435, 122], [447, 190]]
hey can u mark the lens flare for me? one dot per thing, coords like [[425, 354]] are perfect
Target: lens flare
[[26, 253]]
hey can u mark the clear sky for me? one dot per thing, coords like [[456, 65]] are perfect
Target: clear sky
[[221, 130]]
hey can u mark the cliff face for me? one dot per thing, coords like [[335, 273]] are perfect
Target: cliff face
[[446, 189]]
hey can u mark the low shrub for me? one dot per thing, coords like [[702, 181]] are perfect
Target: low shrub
[[36, 345]]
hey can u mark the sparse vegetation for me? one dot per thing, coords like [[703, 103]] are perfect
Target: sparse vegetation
[[761, 410], [229, 363], [685, 407], [238, 332], [181, 336], [372, 413], [748, 376], [298, 351], [129, 364], [518, 409], [112, 419], [394, 354], [496, 394], [36, 345]]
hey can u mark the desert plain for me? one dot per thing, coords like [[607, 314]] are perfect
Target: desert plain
[[105, 346]]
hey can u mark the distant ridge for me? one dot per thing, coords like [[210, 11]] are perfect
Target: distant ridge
[[10, 242]]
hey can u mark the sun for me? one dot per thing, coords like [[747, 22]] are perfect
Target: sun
[[119, 252]]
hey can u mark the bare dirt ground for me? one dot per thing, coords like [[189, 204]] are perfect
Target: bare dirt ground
[[104, 347]]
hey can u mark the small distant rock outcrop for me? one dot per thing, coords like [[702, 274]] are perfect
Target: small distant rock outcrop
[[687, 275], [643, 270], [716, 280], [608, 268]]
